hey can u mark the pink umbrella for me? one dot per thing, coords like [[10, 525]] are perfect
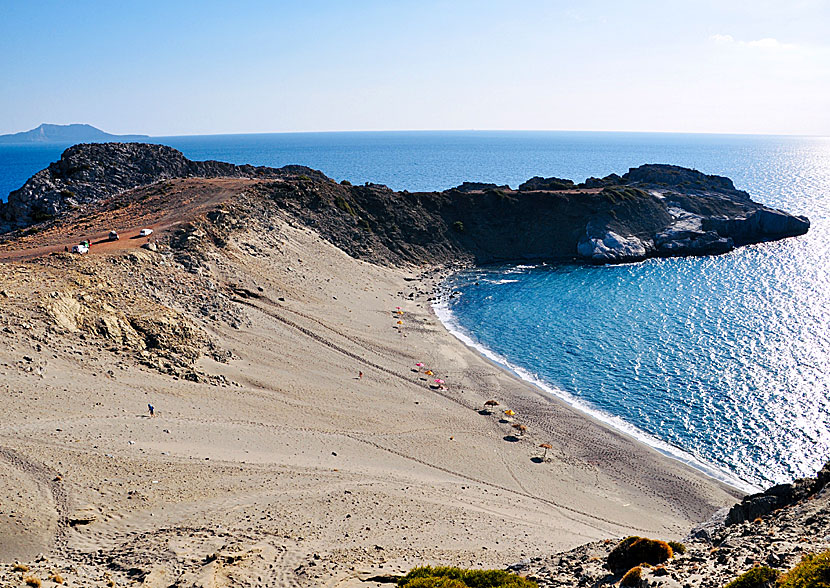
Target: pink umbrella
[[439, 381], [397, 308], [419, 364]]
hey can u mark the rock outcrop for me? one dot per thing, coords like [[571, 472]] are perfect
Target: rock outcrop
[[780, 496], [89, 173], [651, 211]]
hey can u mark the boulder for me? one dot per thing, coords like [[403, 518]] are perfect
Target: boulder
[[611, 247], [546, 184]]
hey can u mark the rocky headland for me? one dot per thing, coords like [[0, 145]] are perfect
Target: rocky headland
[[650, 211]]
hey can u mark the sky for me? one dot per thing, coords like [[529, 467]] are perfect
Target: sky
[[182, 67]]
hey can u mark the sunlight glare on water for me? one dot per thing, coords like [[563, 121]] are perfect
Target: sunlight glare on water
[[727, 358]]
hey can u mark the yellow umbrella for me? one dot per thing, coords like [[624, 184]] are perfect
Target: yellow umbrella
[[400, 322], [509, 412]]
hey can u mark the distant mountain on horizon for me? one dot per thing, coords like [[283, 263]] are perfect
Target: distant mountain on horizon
[[73, 133]]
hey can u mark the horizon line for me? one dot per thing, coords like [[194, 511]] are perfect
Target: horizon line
[[466, 130]]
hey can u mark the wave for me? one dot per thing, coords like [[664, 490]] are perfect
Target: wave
[[442, 310]]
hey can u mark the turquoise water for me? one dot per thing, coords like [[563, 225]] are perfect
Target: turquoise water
[[721, 361]]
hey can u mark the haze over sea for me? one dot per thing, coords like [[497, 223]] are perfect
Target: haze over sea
[[722, 361]]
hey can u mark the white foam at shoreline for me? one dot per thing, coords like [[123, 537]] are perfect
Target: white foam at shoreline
[[442, 311]]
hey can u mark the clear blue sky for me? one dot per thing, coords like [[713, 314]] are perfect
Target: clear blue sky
[[188, 67]]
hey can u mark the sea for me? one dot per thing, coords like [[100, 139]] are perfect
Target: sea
[[722, 362]]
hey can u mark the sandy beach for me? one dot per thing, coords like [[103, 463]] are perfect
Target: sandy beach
[[270, 461]]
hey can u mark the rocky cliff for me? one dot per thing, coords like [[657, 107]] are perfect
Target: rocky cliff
[[652, 210]]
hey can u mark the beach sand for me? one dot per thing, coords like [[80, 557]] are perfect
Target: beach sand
[[292, 471]]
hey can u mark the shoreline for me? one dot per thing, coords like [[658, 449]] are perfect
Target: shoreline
[[444, 314]]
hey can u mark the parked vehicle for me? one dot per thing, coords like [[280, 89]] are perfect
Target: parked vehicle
[[145, 232], [113, 236]]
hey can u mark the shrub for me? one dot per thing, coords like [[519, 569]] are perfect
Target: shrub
[[458, 227], [32, 581], [364, 224], [757, 577], [435, 582], [813, 571], [632, 577], [39, 215], [56, 578], [677, 547], [345, 183], [343, 205], [67, 194], [447, 577], [633, 551], [304, 178], [19, 567]]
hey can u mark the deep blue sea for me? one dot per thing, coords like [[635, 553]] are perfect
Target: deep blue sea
[[721, 361]]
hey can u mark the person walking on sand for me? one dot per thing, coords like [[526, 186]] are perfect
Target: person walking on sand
[[359, 375], [152, 409]]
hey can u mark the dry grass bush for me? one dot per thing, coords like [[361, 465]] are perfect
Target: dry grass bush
[[19, 567], [634, 551], [57, 578], [32, 581], [632, 577]]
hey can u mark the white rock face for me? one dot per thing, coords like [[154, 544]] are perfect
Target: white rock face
[[612, 247]]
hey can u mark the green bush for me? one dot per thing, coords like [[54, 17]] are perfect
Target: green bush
[[345, 183], [757, 577], [813, 571], [633, 551], [632, 577], [344, 205], [435, 582], [677, 547], [446, 577], [458, 227]]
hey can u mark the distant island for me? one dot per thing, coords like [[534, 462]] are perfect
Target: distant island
[[74, 133]]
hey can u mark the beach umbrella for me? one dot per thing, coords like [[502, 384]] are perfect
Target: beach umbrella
[[429, 373], [520, 428], [509, 412], [491, 403], [419, 364], [400, 322], [397, 308], [439, 381], [545, 446]]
